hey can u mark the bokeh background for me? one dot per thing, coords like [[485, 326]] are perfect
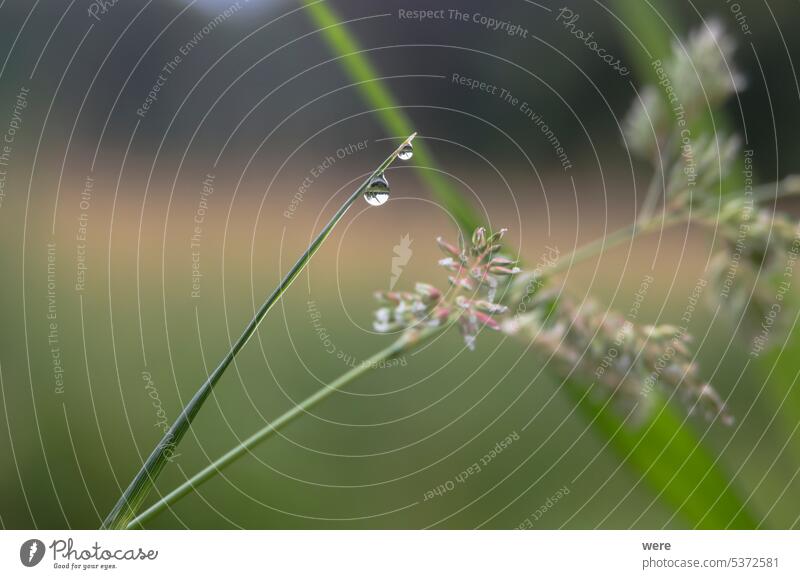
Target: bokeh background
[[102, 196]]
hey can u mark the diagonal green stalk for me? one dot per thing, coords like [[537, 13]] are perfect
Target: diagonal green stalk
[[399, 347], [130, 501], [387, 110]]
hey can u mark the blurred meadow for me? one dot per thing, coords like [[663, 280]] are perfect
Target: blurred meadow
[[136, 244]]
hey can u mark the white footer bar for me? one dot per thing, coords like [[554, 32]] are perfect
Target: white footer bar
[[406, 554]]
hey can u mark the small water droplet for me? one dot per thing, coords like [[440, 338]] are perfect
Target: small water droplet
[[406, 152], [377, 192]]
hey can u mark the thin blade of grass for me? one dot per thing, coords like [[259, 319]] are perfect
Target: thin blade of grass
[[130, 501]]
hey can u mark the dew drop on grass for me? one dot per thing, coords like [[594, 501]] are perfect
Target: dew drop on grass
[[377, 192], [406, 152]]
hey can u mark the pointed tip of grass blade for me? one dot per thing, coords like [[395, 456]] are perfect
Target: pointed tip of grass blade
[[407, 141]]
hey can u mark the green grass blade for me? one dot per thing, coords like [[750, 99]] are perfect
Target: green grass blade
[[671, 459], [130, 501], [388, 111]]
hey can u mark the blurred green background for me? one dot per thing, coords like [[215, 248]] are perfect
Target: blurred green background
[[257, 103]]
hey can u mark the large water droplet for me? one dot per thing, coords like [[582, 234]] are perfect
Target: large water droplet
[[406, 152], [377, 192]]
